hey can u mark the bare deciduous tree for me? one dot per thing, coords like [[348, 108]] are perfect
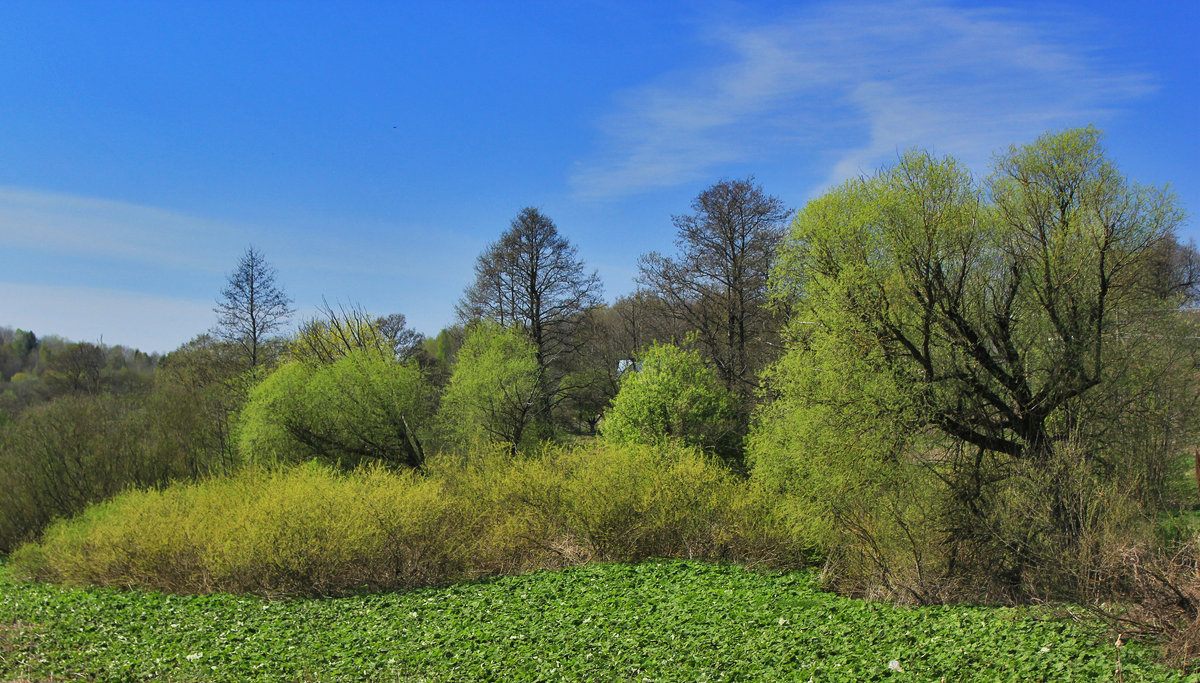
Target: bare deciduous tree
[[341, 330], [532, 278], [252, 306], [717, 285]]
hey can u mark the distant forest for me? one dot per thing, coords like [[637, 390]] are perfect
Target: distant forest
[[37, 369]]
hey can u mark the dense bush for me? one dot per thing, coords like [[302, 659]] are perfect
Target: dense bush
[[313, 530], [304, 530], [60, 456], [57, 456], [672, 395], [495, 393], [360, 408]]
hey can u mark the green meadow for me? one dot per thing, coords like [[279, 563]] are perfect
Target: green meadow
[[651, 621]]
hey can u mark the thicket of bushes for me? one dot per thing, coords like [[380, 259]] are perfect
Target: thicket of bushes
[[81, 447], [312, 530], [58, 457]]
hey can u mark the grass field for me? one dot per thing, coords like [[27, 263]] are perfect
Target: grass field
[[654, 621]]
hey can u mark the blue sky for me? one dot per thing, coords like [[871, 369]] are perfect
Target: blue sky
[[372, 150]]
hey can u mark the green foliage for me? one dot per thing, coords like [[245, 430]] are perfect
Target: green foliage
[[665, 621], [58, 457], [495, 390], [980, 389], [23, 343], [672, 395], [310, 530], [360, 408], [199, 391], [832, 444]]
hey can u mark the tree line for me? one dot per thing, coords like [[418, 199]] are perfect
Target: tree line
[[536, 354], [36, 369], [944, 381]]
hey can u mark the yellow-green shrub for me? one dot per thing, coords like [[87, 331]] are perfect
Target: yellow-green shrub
[[316, 531], [632, 502], [303, 530]]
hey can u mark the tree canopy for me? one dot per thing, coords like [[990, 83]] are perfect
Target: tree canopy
[[717, 285], [493, 394], [532, 278], [998, 313], [985, 333]]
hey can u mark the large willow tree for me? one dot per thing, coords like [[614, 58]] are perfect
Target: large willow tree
[[956, 339]]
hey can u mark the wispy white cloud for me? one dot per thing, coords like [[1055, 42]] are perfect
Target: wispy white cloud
[[859, 81], [55, 223]]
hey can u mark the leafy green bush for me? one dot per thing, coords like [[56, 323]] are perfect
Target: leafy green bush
[[495, 393], [317, 531], [358, 409], [672, 395]]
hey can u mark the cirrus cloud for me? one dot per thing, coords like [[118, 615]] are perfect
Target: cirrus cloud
[[853, 83]]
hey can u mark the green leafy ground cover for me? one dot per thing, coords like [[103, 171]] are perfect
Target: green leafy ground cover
[[654, 621]]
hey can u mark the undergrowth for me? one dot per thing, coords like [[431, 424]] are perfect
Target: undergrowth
[[661, 621], [310, 530]]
